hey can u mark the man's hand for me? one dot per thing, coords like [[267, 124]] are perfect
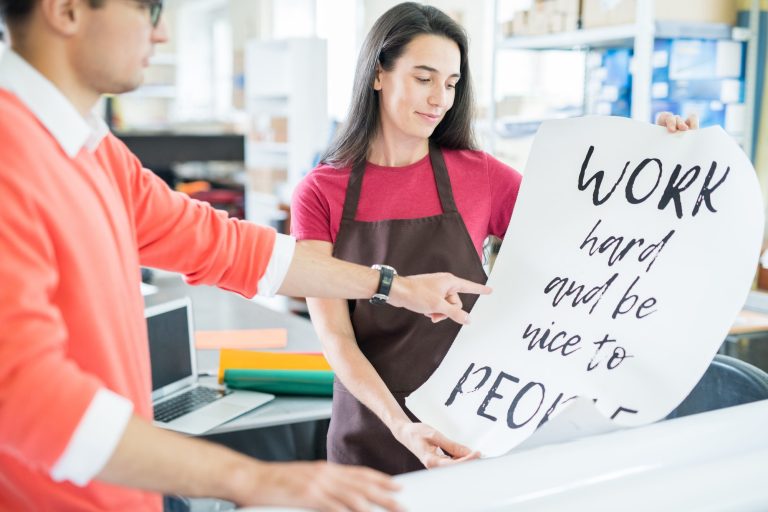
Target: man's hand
[[431, 447], [320, 486], [158, 460], [676, 123], [434, 295]]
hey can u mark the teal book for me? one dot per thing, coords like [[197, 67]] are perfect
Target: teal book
[[282, 382]]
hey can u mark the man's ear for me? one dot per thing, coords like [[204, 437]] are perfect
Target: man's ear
[[377, 77], [63, 16]]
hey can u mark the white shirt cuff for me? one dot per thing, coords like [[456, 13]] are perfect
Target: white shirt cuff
[[277, 268], [95, 438]]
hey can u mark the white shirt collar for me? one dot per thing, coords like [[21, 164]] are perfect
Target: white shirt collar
[[70, 129]]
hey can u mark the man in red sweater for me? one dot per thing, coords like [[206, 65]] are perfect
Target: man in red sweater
[[78, 216]]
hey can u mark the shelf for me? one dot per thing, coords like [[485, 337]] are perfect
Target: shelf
[[163, 149], [677, 30], [518, 127], [268, 97], [640, 37], [619, 35], [274, 105], [268, 147]]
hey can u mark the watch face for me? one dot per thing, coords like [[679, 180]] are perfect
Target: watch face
[[378, 299]]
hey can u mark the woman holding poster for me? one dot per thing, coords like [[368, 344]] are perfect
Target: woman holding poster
[[403, 186]]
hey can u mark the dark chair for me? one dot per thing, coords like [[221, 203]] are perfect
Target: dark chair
[[727, 382]]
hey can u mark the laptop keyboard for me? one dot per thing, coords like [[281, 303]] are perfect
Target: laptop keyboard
[[186, 403]]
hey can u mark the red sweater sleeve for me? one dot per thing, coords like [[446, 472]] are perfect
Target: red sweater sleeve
[[175, 232], [40, 386]]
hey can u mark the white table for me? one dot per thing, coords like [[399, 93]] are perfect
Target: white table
[[714, 461], [217, 309]]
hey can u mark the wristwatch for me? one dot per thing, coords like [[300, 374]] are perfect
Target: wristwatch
[[386, 276]]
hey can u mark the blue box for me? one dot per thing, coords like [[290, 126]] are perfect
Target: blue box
[[710, 113], [725, 91], [658, 106], [616, 61], [613, 108], [610, 83], [705, 59], [660, 60]]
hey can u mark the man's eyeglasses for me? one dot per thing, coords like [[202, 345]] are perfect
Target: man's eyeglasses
[[155, 8]]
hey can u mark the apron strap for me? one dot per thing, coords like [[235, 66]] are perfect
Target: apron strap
[[442, 180], [352, 197]]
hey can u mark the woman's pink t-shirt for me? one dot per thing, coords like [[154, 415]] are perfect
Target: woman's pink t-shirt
[[484, 189]]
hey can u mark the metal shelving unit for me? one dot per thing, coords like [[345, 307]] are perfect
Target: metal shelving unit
[[640, 36], [281, 92]]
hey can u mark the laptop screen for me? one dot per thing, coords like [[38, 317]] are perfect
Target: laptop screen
[[169, 335]]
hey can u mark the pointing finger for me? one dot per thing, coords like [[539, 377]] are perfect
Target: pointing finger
[[456, 314], [465, 286]]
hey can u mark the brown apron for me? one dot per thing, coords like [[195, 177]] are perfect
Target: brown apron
[[404, 347]]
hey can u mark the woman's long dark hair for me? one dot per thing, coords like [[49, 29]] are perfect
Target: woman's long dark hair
[[384, 44]]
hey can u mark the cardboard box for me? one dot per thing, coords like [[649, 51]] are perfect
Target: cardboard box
[[508, 27], [544, 17], [561, 22], [538, 22], [600, 13], [519, 24], [572, 22], [279, 127], [265, 179]]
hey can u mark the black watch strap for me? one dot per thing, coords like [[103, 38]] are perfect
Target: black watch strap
[[386, 277]]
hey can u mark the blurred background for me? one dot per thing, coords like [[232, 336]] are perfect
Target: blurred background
[[241, 102]]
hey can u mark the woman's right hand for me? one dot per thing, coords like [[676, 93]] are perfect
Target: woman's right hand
[[676, 123], [431, 447]]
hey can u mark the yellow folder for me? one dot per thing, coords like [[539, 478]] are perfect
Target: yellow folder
[[259, 360]]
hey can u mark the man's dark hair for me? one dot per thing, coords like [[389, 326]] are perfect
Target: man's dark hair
[[15, 12]]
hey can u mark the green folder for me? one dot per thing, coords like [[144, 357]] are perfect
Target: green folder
[[282, 382]]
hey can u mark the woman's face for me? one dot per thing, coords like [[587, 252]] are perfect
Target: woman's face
[[416, 94]]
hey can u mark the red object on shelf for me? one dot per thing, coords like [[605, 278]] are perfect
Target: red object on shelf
[[231, 201]]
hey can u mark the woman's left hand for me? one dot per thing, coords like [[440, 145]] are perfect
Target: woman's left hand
[[676, 123], [431, 447]]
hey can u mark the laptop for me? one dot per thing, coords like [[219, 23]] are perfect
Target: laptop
[[179, 401]]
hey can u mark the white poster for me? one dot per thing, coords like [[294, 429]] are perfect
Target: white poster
[[628, 256]]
